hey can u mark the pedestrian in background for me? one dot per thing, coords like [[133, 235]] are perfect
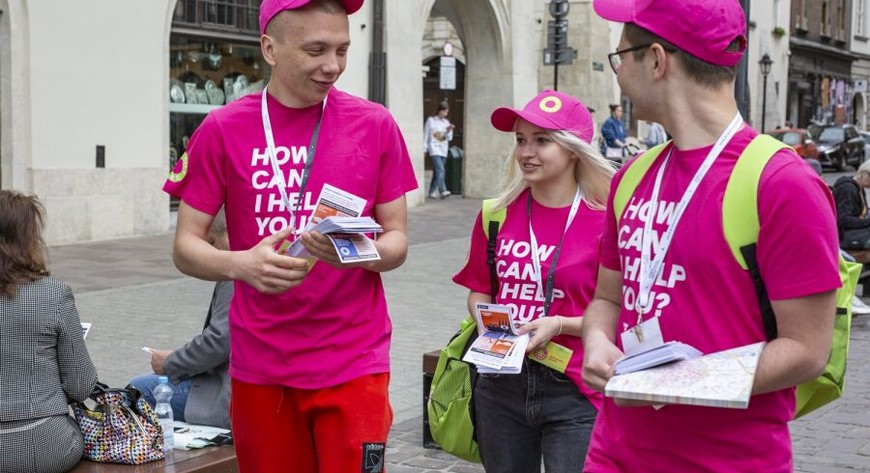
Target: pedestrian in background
[[198, 370], [310, 342], [613, 132], [44, 363], [852, 213], [655, 134], [674, 277], [853, 222], [554, 196], [437, 133]]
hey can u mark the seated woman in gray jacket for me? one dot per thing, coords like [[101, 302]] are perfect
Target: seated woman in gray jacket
[[198, 371], [44, 364]]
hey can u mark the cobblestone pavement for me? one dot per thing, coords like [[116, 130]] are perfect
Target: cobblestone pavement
[[133, 295]]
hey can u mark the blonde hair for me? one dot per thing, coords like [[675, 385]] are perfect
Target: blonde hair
[[592, 171], [863, 168]]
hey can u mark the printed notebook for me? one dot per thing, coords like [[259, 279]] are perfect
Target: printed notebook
[[657, 355]]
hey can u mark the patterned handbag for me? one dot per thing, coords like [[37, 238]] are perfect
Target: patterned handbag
[[120, 427]]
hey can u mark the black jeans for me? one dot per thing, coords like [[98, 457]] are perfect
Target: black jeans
[[522, 417]]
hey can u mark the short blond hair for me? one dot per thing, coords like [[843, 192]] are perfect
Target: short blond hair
[[864, 168]]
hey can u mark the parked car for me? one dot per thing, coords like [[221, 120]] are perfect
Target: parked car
[[866, 136], [839, 145], [799, 139]]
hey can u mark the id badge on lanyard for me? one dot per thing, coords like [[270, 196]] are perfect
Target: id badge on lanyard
[[648, 333]]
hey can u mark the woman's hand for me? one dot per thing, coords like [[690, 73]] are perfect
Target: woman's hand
[[541, 331]]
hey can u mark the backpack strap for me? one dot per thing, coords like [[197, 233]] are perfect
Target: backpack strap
[[637, 168], [491, 221], [740, 204], [740, 217]]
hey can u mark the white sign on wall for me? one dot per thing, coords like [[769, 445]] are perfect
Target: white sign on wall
[[447, 73]]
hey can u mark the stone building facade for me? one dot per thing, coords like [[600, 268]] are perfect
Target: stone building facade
[[91, 117]]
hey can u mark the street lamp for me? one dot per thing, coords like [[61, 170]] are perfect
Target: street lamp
[[765, 64]]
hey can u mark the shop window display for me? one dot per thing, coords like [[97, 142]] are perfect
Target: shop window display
[[204, 75], [214, 59]]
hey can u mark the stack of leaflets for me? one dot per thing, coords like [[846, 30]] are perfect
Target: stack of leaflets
[[347, 225], [499, 349], [337, 215], [721, 379], [655, 356]]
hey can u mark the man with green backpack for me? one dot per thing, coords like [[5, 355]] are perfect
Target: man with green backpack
[[703, 236]]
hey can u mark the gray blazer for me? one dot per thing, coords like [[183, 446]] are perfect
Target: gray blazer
[[44, 363], [205, 360]]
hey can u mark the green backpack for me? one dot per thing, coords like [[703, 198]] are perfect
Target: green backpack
[[740, 225], [450, 408]]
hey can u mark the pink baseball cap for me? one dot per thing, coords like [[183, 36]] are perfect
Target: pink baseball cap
[[549, 110], [702, 28], [270, 8]]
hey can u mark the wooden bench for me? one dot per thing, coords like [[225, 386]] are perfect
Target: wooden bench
[[203, 460], [430, 361]]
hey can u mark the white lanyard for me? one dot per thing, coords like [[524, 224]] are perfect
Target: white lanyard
[[536, 259], [651, 270], [276, 169]]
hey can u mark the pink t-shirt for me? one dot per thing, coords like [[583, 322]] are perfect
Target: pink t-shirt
[[706, 300], [334, 327], [576, 271]]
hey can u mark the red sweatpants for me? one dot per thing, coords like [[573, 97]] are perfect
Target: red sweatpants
[[341, 429]]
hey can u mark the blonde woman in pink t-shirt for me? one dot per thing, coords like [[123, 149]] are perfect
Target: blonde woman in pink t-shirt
[[546, 260]]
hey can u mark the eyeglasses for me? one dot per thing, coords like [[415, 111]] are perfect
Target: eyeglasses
[[616, 58]]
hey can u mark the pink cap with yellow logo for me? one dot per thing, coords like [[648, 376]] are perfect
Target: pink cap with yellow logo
[[549, 110]]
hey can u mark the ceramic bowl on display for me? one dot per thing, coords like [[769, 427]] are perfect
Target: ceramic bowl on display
[[176, 93], [215, 96], [256, 87], [202, 96], [209, 85], [238, 89], [229, 94], [190, 92], [242, 79]]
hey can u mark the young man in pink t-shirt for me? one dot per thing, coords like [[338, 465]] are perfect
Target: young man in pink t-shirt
[[309, 342], [676, 61]]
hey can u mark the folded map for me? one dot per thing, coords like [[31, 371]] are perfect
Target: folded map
[[721, 379]]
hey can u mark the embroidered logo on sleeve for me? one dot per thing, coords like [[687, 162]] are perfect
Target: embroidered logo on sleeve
[[373, 457], [181, 166]]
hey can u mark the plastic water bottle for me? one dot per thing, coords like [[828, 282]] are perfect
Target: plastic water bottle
[[163, 394]]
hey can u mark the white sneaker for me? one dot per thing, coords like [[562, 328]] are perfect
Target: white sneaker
[[859, 307], [435, 195], [445, 194]]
